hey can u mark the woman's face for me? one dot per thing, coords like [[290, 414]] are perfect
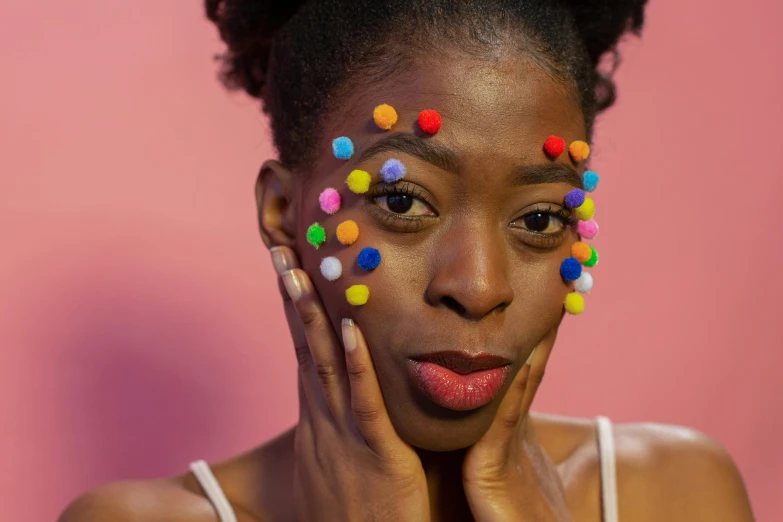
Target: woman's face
[[470, 239]]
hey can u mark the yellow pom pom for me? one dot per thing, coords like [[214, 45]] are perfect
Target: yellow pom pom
[[579, 150], [357, 295], [348, 232], [358, 181], [385, 116], [574, 303], [586, 210]]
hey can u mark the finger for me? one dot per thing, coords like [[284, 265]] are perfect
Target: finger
[[540, 357], [509, 413]]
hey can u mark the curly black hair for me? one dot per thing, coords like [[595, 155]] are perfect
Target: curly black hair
[[299, 56]]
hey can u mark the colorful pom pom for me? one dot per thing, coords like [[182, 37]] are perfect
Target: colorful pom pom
[[587, 229], [393, 171], [316, 235], [358, 181], [369, 258], [343, 148], [331, 268], [554, 146], [593, 258], [430, 121], [579, 150], [330, 201], [571, 269], [357, 295], [581, 251], [385, 116], [347, 232], [586, 210], [590, 180], [584, 284], [574, 303], [575, 198]]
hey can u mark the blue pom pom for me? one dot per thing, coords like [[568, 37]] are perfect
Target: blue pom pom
[[369, 258], [571, 269], [343, 148], [575, 198], [393, 171], [590, 180]]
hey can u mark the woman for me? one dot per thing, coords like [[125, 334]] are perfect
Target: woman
[[425, 290]]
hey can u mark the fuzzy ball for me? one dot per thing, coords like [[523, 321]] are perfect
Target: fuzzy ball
[[590, 180], [343, 148], [369, 258], [587, 229], [330, 201], [574, 303], [575, 198], [593, 258], [393, 171], [584, 284], [331, 268], [358, 181], [430, 121], [316, 235], [579, 150], [586, 210], [581, 251], [357, 295], [347, 232], [385, 116], [571, 269], [554, 146]]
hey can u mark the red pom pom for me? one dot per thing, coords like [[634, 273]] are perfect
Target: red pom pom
[[554, 146], [429, 121]]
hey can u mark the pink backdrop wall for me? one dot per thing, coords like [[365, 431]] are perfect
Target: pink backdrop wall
[[139, 319]]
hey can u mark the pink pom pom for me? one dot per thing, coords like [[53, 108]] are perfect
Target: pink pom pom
[[330, 201], [587, 229]]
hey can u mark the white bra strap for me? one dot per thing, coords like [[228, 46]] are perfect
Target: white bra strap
[[608, 469], [213, 491]]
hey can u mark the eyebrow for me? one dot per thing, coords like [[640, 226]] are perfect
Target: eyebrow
[[547, 173]]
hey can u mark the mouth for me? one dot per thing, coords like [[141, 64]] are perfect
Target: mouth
[[457, 380]]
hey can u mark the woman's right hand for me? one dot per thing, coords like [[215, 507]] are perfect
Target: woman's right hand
[[351, 465]]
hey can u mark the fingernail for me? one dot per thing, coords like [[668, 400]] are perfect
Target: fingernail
[[279, 260], [292, 285], [530, 357], [349, 335]]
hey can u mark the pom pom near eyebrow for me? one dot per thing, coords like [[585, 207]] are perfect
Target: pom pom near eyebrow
[[316, 235], [347, 232], [554, 146], [393, 171], [579, 150], [584, 284], [590, 180], [330, 201], [571, 269], [581, 251], [342, 148], [369, 258], [430, 121], [575, 198], [331, 268], [586, 210], [384, 116], [574, 303], [357, 295], [593, 258], [587, 229], [358, 181]]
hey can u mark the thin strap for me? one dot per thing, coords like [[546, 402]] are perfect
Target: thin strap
[[608, 469], [214, 493]]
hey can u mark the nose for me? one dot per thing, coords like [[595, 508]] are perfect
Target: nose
[[470, 273]]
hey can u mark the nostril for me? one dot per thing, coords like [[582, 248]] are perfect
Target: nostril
[[452, 304]]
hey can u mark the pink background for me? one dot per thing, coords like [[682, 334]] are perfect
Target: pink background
[[139, 318]]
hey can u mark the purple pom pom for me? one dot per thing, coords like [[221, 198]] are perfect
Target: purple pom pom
[[575, 198], [393, 171]]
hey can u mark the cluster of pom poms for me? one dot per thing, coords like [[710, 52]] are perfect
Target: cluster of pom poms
[[555, 146]]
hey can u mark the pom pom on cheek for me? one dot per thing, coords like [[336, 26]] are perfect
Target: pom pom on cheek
[[579, 151], [384, 116], [316, 235], [330, 201], [587, 229], [358, 181], [357, 295], [575, 198], [342, 148], [430, 121], [347, 232], [590, 180], [331, 268], [584, 284], [593, 258], [574, 303], [586, 210], [393, 171], [581, 251], [369, 258], [554, 146], [571, 269]]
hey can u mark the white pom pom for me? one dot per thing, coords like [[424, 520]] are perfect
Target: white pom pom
[[584, 284], [331, 268]]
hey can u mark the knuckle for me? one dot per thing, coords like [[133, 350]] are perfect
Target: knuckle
[[303, 356], [365, 414], [357, 371], [327, 373]]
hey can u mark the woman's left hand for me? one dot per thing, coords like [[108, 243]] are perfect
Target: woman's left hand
[[507, 475]]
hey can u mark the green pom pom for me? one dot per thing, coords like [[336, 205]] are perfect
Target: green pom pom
[[593, 257], [316, 235]]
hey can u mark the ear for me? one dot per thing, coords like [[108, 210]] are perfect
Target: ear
[[276, 205]]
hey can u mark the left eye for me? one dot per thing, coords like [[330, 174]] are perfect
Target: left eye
[[403, 204], [542, 223]]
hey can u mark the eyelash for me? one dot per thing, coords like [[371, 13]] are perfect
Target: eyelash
[[407, 223], [545, 241]]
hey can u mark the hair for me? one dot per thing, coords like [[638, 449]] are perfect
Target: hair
[[299, 57]]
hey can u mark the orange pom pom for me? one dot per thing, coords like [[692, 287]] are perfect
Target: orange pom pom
[[579, 150], [348, 232], [385, 116], [581, 251]]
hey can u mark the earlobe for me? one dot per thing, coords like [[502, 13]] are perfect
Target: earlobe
[[276, 205]]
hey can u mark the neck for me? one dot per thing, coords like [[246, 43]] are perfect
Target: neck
[[443, 470]]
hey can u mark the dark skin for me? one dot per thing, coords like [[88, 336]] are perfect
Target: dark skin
[[462, 271]]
